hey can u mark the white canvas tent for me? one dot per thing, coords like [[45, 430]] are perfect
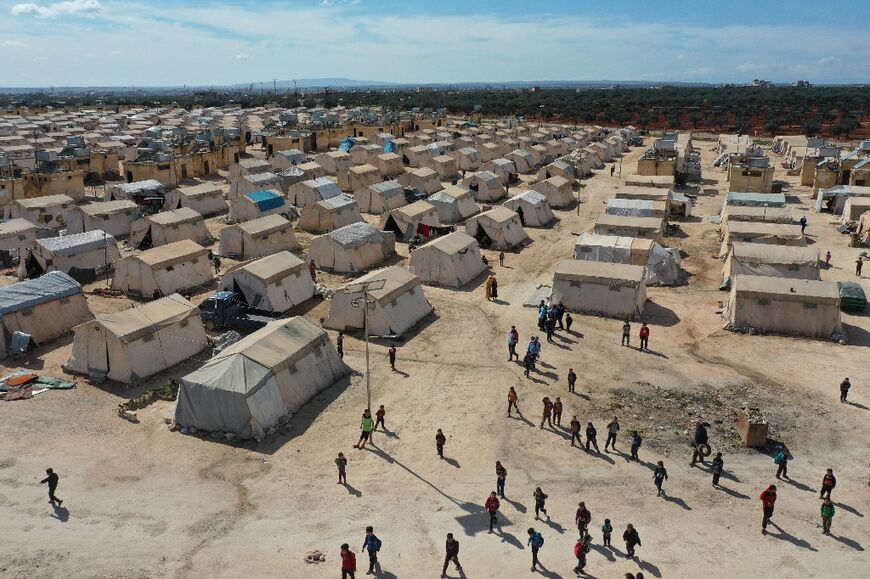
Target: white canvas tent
[[205, 199], [381, 197], [334, 162], [258, 237], [311, 170], [352, 248], [771, 261], [502, 168], [282, 160], [260, 204], [646, 227], [556, 169], [661, 265], [250, 385], [557, 190], [127, 191], [45, 308], [133, 344], [467, 159], [766, 214], [19, 234], [257, 182], [248, 167], [485, 186], [498, 228], [760, 232], [854, 208], [445, 167], [636, 208], [48, 211], [453, 204], [389, 165], [358, 177], [522, 159], [310, 192], [175, 267], [410, 220], [82, 255], [330, 214], [113, 217], [274, 283], [169, 227], [397, 307], [423, 179], [777, 305], [532, 208], [593, 287], [452, 260]]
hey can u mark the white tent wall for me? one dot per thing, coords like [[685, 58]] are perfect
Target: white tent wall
[[557, 190], [381, 197], [289, 286], [252, 183], [47, 212], [452, 261], [453, 204], [351, 249], [532, 207], [600, 294], [189, 269], [205, 199], [330, 214], [485, 186], [168, 227], [503, 229], [310, 192], [19, 234], [245, 209], [771, 261], [116, 220], [85, 251], [257, 238]]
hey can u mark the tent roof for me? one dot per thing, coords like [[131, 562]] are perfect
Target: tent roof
[[262, 178], [764, 228], [557, 181], [388, 188], [451, 194], [363, 169], [172, 253], [596, 240], [499, 214], [769, 199], [769, 253], [768, 213], [531, 196], [32, 292], [652, 223], [46, 201], [451, 243], [634, 192], [108, 207], [147, 319], [16, 226], [356, 234], [598, 271], [263, 224], [337, 202], [182, 215], [201, 189], [273, 266], [416, 208], [398, 281], [76, 243], [137, 186], [787, 288]]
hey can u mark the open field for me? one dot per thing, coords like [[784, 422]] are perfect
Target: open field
[[145, 502]]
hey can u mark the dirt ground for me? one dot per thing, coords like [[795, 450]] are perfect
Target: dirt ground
[[141, 501]]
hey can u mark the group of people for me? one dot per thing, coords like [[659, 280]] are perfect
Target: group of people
[[551, 316]]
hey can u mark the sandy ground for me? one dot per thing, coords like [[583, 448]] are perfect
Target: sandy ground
[[141, 501]]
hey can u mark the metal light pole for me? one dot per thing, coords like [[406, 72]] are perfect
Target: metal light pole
[[364, 288]]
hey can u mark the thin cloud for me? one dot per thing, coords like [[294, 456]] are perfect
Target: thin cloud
[[13, 44], [243, 56], [69, 7]]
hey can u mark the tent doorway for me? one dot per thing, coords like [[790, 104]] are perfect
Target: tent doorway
[[483, 239], [146, 242], [205, 168], [129, 176], [391, 225]]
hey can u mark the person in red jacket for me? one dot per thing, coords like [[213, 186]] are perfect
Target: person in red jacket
[[768, 499], [348, 562], [580, 550], [492, 505], [644, 337], [379, 418], [829, 481]]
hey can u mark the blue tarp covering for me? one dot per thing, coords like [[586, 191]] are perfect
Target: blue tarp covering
[[346, 144], [32, 292], [266, 200], [389, 147]]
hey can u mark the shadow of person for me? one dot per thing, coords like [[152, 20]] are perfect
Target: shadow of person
[[401, 373], [649, 567], [783, 535], [678, 501], [520, 507], [452, 462], [523, 419], [799, 485], [506, 537], [601, 455], [857, 405], [351, 490], [60, 513], [544, 572], [555, 526], [608, 553], [733, 493], [849, 509], [848, 542]]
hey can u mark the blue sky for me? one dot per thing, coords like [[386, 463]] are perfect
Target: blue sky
[[195, 42]]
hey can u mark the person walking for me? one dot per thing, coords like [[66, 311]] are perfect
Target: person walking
[[827, 512], [844, 389], [500, 478], [716, 468], [512, 401], [581, 547], [391, 354], [51, 480], [542, 316], [348, 562], [612, 430], [859, 265], [606, 532], [829, 481], [636, 441], [632, 540], [501, 258], [371, 545], [536, 541], [568, 321], [494, 287], [312, 270], [339, 345], [699, 439], [612, 169], [528, 363], [540, 502], [551, 329], [513, 338], [487, 288], [828, 259], [379, 418], [660, 475], [341, 463], [781, 459], [768, 499], [560, 313], [366, 426], [548, 410], [803, 223], [575, 431], [572, 379], [626, 333], [557, 412], [644, 337], [451, 554], [591, 437], [582, 518], [440, 441], [492, 504], [216, 262]]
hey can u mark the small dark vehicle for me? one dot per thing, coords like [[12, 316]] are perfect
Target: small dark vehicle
[[228, 310]]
